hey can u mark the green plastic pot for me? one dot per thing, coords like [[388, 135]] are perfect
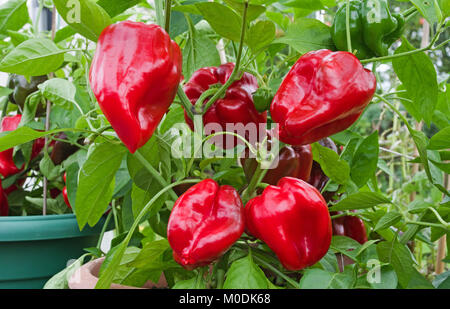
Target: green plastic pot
[[34, 248]]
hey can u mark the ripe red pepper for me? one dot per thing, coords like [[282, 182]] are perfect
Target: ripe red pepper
[[205, 222], [7, 165], [134, 75], [293, 220], [235, 107], [4, 207], [66, 198], [350, 226], [324, 93], [293, 161]]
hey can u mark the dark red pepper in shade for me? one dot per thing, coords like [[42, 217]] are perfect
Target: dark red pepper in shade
[[235, 107], [4, 207], [292, 218], [205, 222], [293, 161], [135, 75], [324, 93], [350, 226], [7, 165]]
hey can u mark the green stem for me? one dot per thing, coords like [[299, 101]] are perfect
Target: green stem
[[438, 216], [187, 105], [159, 13], [347, 26], [409, 11], [105, 226], [261, 261], [428, 224], [116, 220], [203, 97], [168, 8], [247, 143], [154, 173], [238, 62], [38, 17]]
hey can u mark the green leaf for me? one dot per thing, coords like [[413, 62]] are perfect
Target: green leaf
[[13, 15], [365, 160], [59, 91], [307, 34], [5, 91], [428, 9], [387, 280], [152, 256], [440, 140], [200, 51], [388, 220], [194, 283], [245, 274], [333, 166], [86, 17], [360, 200], [418, 76], [260, 35], [17, 37], [116, 7], [33, 57], [222, 19], [346, 246], [313, 5], [316, 278], [253, 11], [399, 257], [96, 182], [48, 169], [20, 136]]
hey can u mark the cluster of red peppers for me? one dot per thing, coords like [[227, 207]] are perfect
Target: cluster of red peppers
[[324, 93]]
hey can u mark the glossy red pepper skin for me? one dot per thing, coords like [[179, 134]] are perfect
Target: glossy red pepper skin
[[324, 93], [205, 222], [237, 105], [4, 207], [7, 165], [134, 75], [292, 218], [66, 198], [350, 226]]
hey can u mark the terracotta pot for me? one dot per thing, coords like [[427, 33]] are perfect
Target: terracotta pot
[[86, 277]]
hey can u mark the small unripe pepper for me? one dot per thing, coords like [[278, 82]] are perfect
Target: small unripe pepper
[[134, 75], [373, 29], [324, 93], [292, 218], [205, 222]]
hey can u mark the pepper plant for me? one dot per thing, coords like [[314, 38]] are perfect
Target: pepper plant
[[233, 144]]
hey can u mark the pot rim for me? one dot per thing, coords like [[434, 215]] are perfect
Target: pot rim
[[31, 228]]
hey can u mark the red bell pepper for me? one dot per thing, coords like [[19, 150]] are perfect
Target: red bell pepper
[[350, 226], [4, 207], [134, 75], [324, 93], [236, 107], [293, 220], [293, 161], [7, 165], [205, 222]]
